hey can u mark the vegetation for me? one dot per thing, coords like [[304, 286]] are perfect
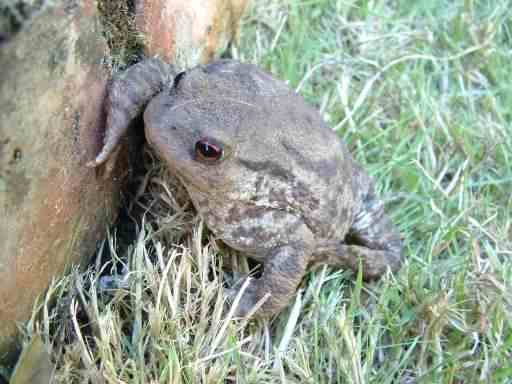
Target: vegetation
[[421, 92]]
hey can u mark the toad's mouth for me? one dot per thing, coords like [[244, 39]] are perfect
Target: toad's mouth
[[198, 182], [186, 180], [189, 183], [183, 170]]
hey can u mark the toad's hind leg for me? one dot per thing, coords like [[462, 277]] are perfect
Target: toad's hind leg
[[128, 94], [372, 242]]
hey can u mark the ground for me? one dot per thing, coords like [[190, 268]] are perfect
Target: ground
[[421, 93]]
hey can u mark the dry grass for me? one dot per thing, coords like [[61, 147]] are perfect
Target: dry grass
[[421, 93]]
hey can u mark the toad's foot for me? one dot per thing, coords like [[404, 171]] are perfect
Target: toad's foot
[[128, 94]]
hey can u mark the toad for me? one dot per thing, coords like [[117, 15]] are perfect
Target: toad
[[264, 171]]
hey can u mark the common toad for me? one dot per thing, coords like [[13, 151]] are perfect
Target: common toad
[[262, 168]]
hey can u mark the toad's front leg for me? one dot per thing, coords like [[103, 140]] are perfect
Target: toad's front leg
[[128, 94], [283, 271]]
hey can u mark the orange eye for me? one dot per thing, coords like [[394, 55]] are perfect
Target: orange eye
[[207, 151]]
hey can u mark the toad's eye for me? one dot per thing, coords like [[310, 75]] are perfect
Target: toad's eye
[[208, 151]]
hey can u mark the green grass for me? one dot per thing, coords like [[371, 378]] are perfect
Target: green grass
[[421, 93]]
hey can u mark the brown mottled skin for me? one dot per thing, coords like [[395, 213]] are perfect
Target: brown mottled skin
[[285, 192]]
